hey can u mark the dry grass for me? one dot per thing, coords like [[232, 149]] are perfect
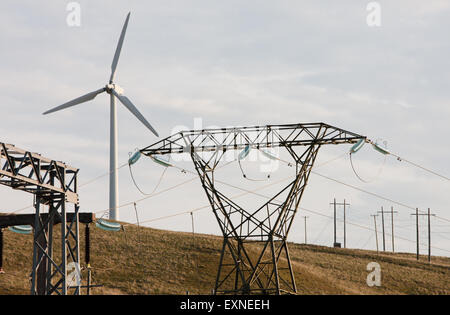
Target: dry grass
[[149, 261]]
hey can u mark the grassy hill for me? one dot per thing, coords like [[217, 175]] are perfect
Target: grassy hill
[[149, 261]]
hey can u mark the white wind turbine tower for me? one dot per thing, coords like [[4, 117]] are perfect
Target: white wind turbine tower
[[114, 91]]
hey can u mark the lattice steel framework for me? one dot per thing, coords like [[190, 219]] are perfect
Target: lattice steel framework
[[241, 269], [53, 184]]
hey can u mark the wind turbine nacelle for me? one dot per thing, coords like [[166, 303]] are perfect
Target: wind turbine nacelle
[[115, 87]]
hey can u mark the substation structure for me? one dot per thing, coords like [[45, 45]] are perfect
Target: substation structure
[[270, 270], [53, 184]]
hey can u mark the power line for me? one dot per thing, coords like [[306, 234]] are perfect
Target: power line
[[367, 228], [364, 191], [307, 210], [421, 167], [150, 196], [302, 208], [331, 160], [261, 195], [203, 207], [184, 170], [371, 193], [246, 192], [137, 186], [326, 225], [368, 240], [206, 206], [101, 176]]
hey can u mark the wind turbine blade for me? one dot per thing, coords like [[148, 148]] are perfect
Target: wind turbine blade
[[118, 49], [78, 100], [127, 103]]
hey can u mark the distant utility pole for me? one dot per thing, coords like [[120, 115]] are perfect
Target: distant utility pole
[[429, 235], [305, 229], [429, 231], [382, 224], [192, 219], [376, 233], [334, 203], [392, 226]]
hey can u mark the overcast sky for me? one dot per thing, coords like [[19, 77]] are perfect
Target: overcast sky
[[237, 63]]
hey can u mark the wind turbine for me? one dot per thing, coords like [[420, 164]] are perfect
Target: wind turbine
[[115, 91]]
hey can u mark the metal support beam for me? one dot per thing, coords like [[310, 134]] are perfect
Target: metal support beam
[[53, 184], [12, 219]]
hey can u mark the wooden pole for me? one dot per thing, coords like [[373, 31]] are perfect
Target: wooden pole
[[334, 222], [345, 232], [334, 203], [417, 233], [429, 237], [382, 223], [429, 231], [376, 233], [392, 225]]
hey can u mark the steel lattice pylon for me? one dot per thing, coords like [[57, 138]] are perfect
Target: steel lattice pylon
[[53, 184], [265, 268]]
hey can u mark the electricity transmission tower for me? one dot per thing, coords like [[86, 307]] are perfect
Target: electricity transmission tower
[[54, 184], [267, 226]]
